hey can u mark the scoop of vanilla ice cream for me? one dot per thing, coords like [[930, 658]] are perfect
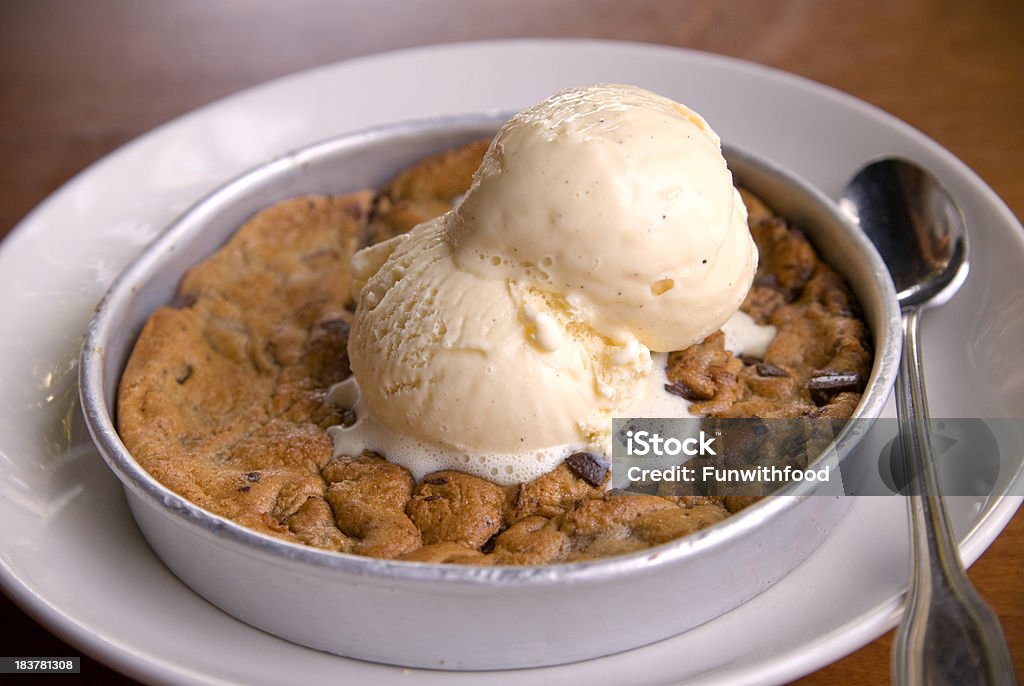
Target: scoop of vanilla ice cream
[[507, 333], [619, 200], [477, 367]]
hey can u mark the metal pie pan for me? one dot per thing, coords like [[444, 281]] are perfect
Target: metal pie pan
[[453, 616]]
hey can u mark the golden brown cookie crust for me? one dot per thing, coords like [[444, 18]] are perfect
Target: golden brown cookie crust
[[425, 190], [224, 398]]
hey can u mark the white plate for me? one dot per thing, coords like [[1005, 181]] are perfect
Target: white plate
[[69, 553]]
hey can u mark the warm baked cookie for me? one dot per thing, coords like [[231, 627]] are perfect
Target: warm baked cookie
[[224, 397], [425, 190]]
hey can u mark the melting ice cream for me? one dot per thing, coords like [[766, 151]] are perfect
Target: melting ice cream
[[601, 229]]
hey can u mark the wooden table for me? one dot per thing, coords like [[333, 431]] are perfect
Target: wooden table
[[78, 79]]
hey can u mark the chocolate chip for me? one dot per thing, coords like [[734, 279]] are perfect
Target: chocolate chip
[[184, 376], [488, 546], [431, 498], [335, 326], [252, 476], [347, 417], [826, 385], [436, 481], [766, 369], [244, 489], [588, 467], [683, 391]]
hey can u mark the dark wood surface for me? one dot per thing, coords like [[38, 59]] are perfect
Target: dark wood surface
[[79, 78]]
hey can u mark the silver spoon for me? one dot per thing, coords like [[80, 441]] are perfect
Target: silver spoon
[[948, 635]]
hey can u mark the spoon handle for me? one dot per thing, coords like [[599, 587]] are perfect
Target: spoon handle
[[948, 634]]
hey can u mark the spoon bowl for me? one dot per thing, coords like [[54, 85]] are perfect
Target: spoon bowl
[[916, 227]]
